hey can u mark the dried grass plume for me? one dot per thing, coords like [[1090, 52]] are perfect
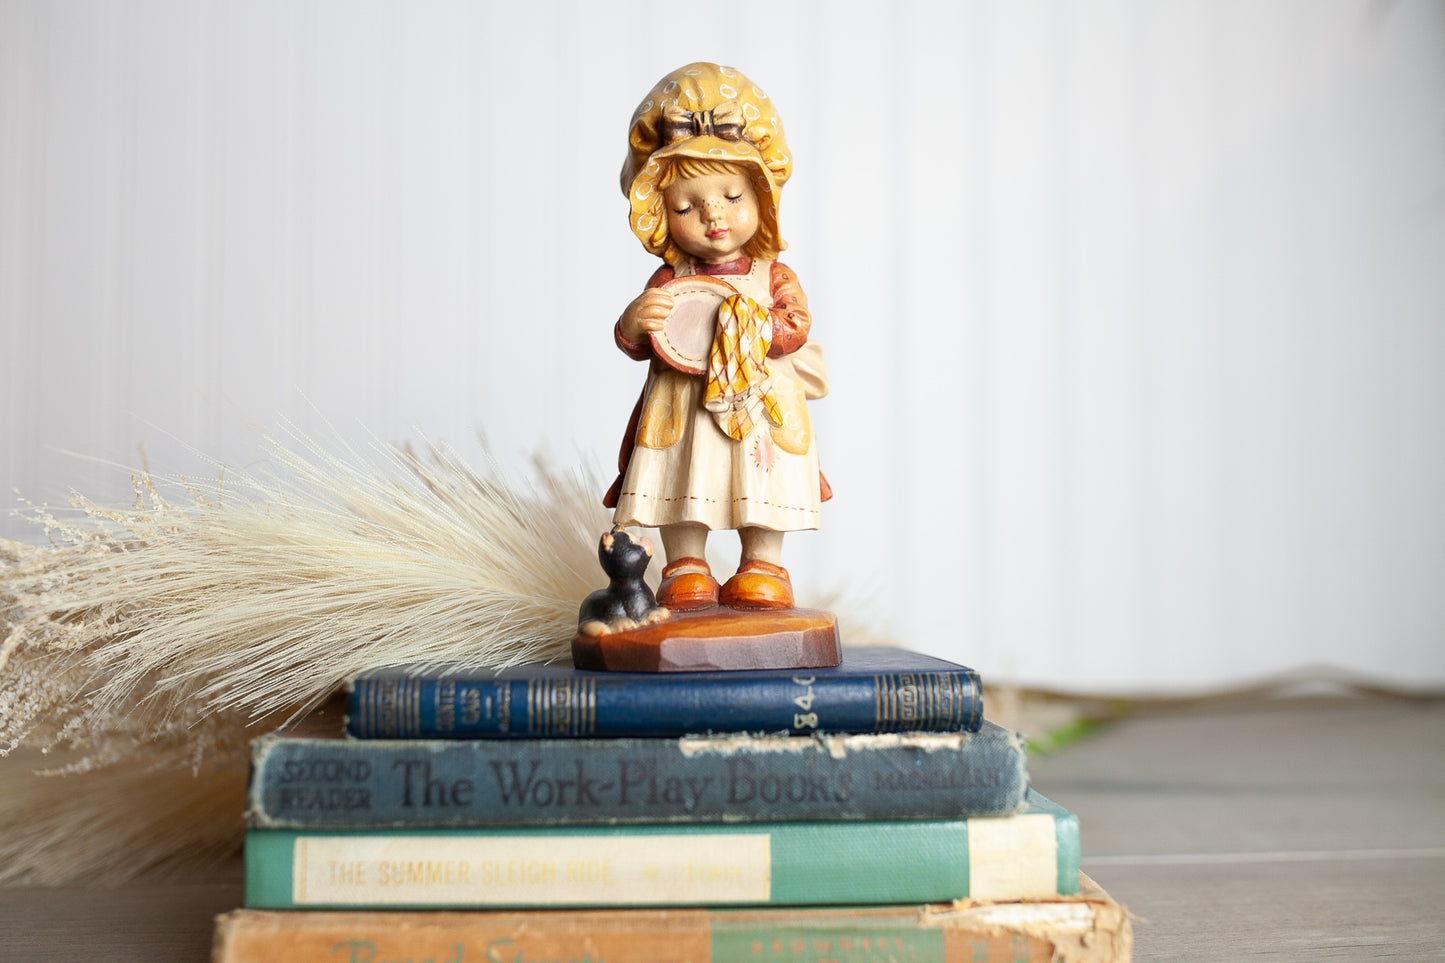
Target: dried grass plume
[[166, 634]]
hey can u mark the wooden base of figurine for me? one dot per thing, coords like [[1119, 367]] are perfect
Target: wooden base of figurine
[[716, 638]]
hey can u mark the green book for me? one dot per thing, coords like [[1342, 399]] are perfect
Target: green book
[[1032, 854]]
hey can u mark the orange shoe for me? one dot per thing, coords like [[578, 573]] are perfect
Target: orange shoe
[[758, 585], [687, 583]]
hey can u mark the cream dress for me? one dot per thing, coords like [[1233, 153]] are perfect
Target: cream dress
[[684, 468]]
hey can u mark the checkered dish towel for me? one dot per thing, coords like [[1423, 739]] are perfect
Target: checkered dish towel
[[739, 387]]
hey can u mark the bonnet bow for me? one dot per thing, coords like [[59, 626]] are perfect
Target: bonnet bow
[[725, 121]]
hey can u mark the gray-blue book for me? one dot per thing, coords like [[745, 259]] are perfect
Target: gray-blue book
[[308, 782]]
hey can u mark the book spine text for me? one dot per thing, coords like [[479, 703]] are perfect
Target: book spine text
[[301, 782]]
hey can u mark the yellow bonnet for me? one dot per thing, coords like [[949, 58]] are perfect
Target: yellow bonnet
[[708, 112]]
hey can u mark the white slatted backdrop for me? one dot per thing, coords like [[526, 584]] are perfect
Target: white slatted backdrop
[[1135, 311]]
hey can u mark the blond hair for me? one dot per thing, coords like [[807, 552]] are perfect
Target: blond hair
[[764, 244]]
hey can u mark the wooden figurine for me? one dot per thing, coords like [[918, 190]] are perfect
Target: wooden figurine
[[721, 437]]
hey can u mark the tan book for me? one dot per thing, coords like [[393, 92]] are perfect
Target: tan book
[[1088, 928]]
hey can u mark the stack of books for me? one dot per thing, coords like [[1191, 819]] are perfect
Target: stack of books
[[864, 812]]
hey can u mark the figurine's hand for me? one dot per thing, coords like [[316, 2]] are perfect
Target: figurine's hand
[[647, 313]]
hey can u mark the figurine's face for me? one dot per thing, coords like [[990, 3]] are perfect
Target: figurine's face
[[712, 217]]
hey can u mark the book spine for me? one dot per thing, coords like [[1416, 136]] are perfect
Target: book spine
[[383, 707], [301, 782], [1080, 931], [794, 864]]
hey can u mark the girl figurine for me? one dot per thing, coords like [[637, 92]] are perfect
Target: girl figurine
[[731, 447]]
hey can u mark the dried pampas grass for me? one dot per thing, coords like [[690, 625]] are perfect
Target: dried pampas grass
[[165, 635]]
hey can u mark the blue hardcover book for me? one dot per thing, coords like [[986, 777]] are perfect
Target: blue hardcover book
[[303, 781], [875, 689]]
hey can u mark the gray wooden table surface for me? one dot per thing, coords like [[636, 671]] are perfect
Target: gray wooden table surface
[[1238, 829], [1267, 828]]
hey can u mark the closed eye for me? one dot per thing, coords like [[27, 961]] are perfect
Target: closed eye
[[681, 211], [733, 199]]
